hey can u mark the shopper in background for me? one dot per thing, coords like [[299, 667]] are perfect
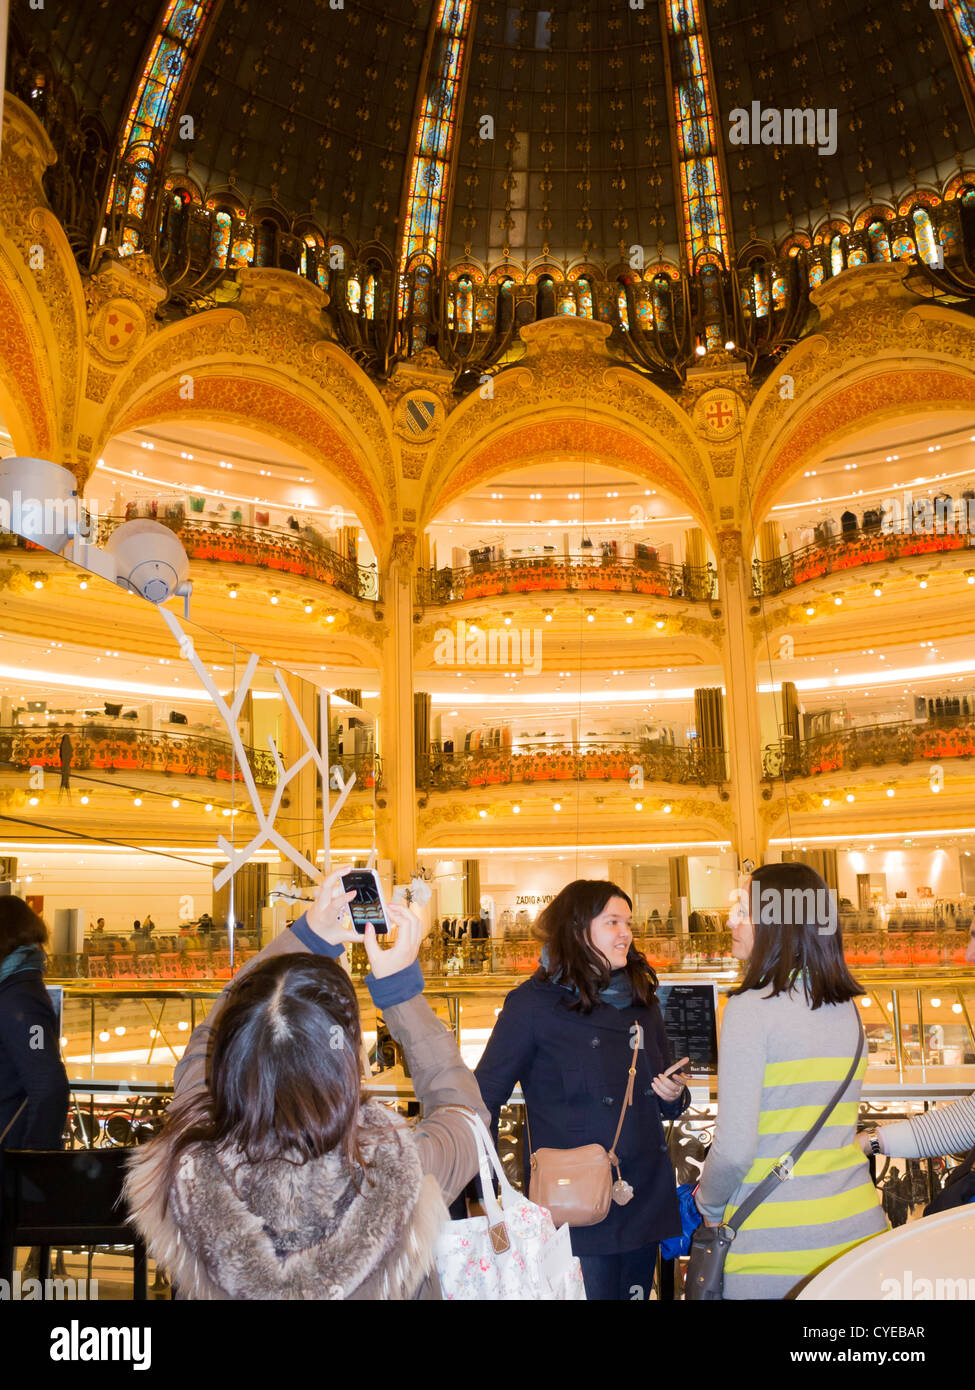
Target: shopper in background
[[788, 1036], [566, 1034], [33, 1081], [272, 1179]]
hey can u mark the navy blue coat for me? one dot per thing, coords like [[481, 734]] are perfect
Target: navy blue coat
[[31, 1071], [573, 1068]]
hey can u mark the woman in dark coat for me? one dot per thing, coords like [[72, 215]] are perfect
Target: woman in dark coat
[[566, 1035], [33, 1082]]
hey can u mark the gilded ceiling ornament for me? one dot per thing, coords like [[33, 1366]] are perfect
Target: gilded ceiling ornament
[[719, 415]]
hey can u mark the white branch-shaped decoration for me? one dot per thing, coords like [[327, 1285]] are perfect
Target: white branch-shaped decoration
[[266, 831]]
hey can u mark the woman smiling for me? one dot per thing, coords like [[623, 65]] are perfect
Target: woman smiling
[[567, 1035]]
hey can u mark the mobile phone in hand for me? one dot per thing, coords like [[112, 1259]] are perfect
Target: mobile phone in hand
[[368, 905]]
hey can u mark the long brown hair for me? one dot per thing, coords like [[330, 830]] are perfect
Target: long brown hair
[[284, 1077], [19, 926], [570, 957], [796, 941]]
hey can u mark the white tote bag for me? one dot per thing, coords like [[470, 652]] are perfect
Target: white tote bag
[[514, 1252]]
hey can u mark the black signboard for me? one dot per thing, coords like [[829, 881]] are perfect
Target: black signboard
[[690, 1021]]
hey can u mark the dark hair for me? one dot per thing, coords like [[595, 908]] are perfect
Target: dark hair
[[19, 926], [804, 943], [571, 958], [284, 1073]]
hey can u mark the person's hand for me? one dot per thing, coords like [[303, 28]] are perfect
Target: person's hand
[[668, 1085], [406, 943], [327, 914]]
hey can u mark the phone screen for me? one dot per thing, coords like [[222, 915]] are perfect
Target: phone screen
[[366, 906]]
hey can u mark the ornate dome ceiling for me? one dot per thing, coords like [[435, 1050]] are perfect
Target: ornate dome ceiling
[[313, 109]]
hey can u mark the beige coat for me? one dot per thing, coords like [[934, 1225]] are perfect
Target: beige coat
[[423, 1169]]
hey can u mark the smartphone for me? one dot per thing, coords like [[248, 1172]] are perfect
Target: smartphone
[[368, 905]]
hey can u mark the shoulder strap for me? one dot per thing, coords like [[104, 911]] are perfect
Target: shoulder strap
[[628, 1097], [783, 1169]]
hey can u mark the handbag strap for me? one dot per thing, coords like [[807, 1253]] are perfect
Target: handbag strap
[[628, 1097], [783, 1168]]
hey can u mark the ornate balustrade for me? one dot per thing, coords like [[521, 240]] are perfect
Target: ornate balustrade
[[872, 745], [572, 762], [577, 574], [97, 748], [303, 554], [846, 552]]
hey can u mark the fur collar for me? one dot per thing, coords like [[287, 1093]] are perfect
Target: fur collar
[[279, 1230]]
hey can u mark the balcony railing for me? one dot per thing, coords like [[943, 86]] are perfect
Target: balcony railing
[[301, 553], [872, 745], [98, 748], [849, 551], [570, 762], [577, 574]]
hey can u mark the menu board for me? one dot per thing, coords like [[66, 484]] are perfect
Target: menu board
[[690, 1022]]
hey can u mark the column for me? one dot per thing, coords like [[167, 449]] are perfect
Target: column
[[396, 804], [744, 735]]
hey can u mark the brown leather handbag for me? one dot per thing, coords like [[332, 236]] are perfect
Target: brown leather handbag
[[576, 1185]]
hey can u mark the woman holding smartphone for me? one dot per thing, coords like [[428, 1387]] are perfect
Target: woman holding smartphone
[[273, 1178], [567, 1036]]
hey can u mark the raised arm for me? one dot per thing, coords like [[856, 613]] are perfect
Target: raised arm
[[948, 1129], [741, 1074]]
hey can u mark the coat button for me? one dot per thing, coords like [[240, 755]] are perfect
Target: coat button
[[607, 1100], [594, 1042]]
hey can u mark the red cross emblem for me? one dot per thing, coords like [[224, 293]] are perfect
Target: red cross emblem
[[719, 414]]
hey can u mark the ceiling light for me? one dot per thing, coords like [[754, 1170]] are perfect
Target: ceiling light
[[175, 802], [890, 791], [660, 624], [137, 801], [638, 806], [38, 583], [590, 615], [628, 617], [548, 614], [308, 608], [810, 610], [84, 801], [923, 581], [330, 617], [83, 584], [666, 810], [827, 801], [233, 593], [208, 806], [516, 809], [33, 801], [838, 600], [557, 806], [850, 796], [482, 814], [878, 590], [274, 598]]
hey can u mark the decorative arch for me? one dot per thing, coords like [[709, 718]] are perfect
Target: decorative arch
[[553, 435], [878, 394], [26, 406], [191, 373]]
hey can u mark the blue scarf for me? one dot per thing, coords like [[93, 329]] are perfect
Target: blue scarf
[[619, 991], [23, 958]]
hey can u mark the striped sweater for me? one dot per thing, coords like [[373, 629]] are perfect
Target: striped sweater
[[950, 1129], [779, 1064]]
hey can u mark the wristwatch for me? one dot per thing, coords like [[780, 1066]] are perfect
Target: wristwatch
[[873, 1138]]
